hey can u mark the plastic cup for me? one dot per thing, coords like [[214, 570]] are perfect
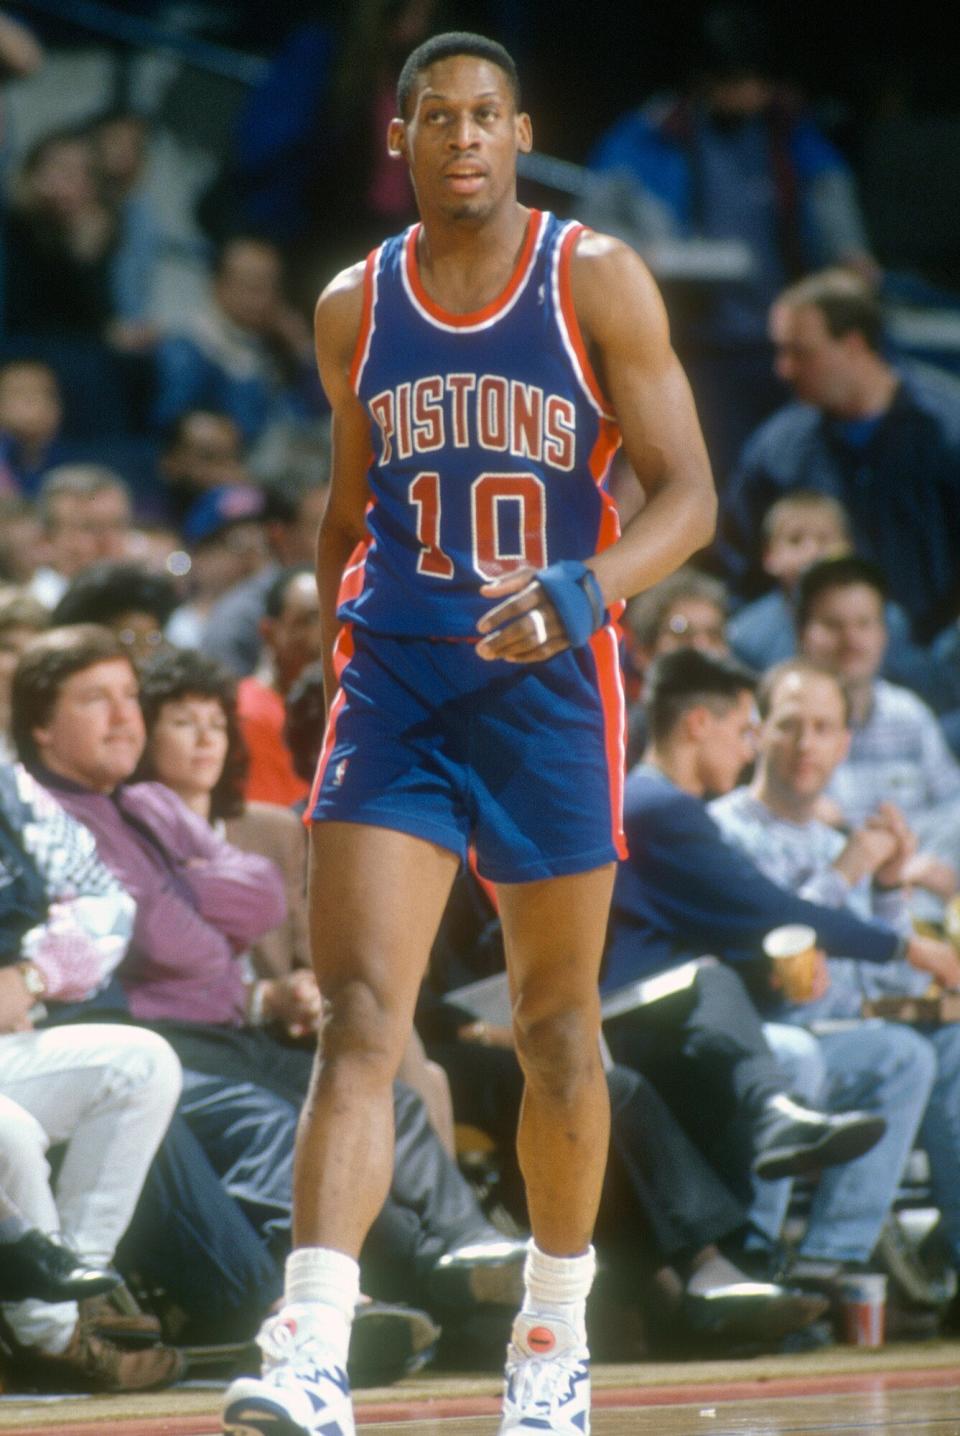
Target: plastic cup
[[793, 951], [863, 1308]]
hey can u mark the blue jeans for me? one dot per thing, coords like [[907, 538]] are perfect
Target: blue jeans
[[876, 1067], [940, 1132]]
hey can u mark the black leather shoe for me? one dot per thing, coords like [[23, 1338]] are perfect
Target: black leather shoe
[[749, 1311], [483, 1272], [41, 1265], [388, 1342], [791, 1140]]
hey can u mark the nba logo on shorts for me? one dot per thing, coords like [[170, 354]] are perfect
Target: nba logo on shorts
[[340, 772]]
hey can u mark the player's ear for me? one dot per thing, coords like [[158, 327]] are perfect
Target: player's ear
[[397, 140], [524, 133]]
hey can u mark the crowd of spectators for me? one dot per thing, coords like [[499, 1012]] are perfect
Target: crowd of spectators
[[161, 717]]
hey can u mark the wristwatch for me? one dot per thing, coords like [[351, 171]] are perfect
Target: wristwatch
[[32, 979]]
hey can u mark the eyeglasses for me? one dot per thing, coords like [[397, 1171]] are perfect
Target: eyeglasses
[[681, 627], [130, 638]]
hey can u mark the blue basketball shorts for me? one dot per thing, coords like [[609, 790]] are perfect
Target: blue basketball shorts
[[525, 762]]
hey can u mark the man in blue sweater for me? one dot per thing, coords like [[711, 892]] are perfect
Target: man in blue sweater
[[684, 892]]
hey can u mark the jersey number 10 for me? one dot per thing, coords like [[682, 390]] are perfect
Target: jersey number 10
[[489, 493]]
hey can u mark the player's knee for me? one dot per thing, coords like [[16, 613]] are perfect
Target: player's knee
[[557, 1046], [362, 1029]]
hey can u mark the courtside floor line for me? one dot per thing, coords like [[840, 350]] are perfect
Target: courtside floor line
[[43, 1419]]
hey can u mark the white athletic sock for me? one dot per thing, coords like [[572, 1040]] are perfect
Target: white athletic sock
[[329, 1282], [559, 1286]]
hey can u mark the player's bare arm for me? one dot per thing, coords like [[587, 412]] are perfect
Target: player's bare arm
[[336, 327], [625, 326]]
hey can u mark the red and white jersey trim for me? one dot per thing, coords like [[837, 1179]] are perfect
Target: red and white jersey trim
[[368, 319], [441, 318], [567, 321]]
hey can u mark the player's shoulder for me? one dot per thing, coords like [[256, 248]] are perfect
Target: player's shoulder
[[339, 310], [344, 293], [601, 256], [612, 286]]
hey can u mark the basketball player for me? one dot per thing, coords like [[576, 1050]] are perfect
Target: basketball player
[[481, 368]]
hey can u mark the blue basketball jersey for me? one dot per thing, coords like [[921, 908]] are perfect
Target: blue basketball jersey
[[491, 439]]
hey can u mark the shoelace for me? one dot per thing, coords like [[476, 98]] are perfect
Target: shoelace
[[541, 1381], [280, 1345]]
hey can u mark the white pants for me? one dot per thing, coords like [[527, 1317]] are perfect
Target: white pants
[[106, 1091]]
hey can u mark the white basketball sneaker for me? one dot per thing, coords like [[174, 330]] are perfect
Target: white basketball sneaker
[[547, 1379], [304, 1390]]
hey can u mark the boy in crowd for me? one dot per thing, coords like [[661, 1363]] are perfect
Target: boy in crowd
[[798, 530]]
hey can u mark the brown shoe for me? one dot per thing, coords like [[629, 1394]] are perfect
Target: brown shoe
[[117, 1316], [91, 1363]]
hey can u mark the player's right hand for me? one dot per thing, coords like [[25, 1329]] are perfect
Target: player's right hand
[[523, 627]]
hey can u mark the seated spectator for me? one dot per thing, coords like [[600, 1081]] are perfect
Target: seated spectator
[[195, 748], [799, 529], [107, 1093], [86, 515], [202, 450], [21, 618], [59, 243], [227, 545], [884, 439], [291, 638], [291, 520], [682, 891], [200, 903], [30, 418], [71, 919], [124, 597], [686, 610], [804, 736], [249, 356], [897, 750], [21, 540]]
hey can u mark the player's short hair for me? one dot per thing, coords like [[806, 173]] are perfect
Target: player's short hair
[[846, 571], [44, 667], [442, 47], [802, 499], [809, 667], [689, 678], [846, 301]]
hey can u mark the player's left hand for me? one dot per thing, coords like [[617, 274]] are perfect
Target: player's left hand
[[523, 626]]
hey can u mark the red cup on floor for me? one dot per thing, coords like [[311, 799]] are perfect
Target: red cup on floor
[[863, 1306]]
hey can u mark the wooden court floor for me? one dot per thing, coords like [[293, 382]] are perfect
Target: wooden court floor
[[898, 1392]]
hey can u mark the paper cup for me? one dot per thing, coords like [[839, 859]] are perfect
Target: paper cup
[[863, 1309], [793, 951]]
